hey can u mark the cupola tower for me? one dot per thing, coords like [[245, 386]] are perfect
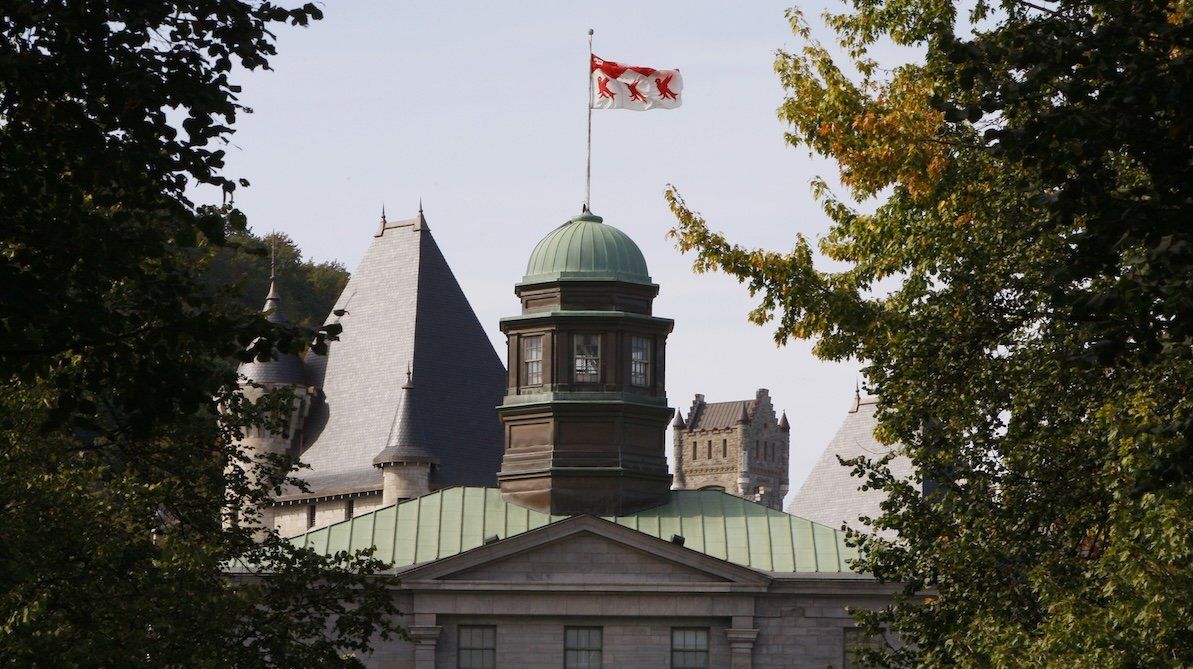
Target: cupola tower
[[585, 409]]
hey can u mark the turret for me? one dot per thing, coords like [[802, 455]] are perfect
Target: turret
[[405, 463], [585, 410], [283, 372]]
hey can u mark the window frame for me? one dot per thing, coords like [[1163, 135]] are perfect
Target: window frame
[[706, 650], [460, 647], [599, 649], [527, 361], [577, 337], [645, 364], [853, 638]]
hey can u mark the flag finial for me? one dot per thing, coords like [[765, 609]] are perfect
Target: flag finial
[[383, 221]]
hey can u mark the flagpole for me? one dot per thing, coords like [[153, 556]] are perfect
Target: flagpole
[[588, 143]]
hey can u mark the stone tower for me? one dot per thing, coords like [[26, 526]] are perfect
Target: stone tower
[[284, 371], [404, 462], [585, 410], [738, 447]]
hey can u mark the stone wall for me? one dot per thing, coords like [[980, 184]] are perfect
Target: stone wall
[[293, 519], [748, 459], [793, 630]]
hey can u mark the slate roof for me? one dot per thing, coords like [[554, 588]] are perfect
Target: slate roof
[[719, 415], [284, 369], [449, 522], [405, 443], [403, 309], [830, 495]]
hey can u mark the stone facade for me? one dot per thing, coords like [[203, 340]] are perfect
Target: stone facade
[[636, 589], [739, 447], [295, 517]]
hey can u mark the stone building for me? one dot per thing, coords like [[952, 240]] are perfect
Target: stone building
[[404, 317], [582, 555], [830, 494], [737, 447]]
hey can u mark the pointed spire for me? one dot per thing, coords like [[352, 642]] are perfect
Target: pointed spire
[[783, 424], [405, 442], [857, 396], [382, 224], [420, 223], [745, 415], [273, 300], [285, 367], [679, 424]]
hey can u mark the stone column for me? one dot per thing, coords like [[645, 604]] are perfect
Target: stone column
[[741, 647], [426, 638]]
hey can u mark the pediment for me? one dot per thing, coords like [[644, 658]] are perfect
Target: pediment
[[586, 551], [588, 558]]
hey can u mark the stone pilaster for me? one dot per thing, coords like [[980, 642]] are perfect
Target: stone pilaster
[[741, 647], [426, 640]]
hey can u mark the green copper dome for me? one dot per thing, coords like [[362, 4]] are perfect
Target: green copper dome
[[585, 249]]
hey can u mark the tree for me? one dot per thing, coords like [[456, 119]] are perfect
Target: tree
[[1030, 187], [243, 266], [116, 359]]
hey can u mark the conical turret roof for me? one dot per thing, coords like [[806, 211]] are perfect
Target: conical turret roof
[[405, 442], [285, 368], [678, 424]]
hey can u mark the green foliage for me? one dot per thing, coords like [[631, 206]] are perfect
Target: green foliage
[[1031, 180], [116, 474], [242, 266]]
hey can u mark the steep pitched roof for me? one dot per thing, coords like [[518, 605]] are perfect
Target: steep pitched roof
[[719, 415], [286, 368], [403, 309], [405, 443], [830, 494], [449, 522]]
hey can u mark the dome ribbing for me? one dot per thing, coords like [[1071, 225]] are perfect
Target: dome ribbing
[[585, 249]]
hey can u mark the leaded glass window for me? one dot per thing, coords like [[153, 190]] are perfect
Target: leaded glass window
[[477, 647], [532, 360], [587, 357], [582, 647], [689, 647], [640, 361]]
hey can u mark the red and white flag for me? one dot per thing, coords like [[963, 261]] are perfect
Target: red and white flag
[[617, 86]]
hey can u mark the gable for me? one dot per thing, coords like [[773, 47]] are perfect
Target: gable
[[585, 557]]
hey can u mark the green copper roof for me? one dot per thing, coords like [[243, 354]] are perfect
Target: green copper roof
[[450, 521], [585, 249]]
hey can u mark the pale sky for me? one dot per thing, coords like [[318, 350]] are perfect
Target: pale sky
[[478, 109]]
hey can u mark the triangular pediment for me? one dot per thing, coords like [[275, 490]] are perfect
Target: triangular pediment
[[588, 557], [588, 551]]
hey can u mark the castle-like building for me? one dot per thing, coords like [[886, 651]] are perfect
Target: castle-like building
[[530, 512], [736, 447]]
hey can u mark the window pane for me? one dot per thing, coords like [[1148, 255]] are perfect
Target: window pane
[[640, 361], [689, 647], [582, 647], [477, 647], [587, 357], [532, 360]]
